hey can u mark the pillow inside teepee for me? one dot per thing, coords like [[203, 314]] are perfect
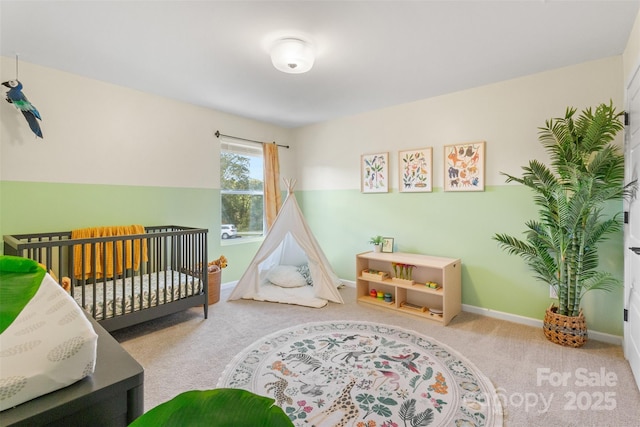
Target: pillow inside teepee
[[286, 276]]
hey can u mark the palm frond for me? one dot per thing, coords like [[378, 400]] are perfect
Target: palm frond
[[600, 280], [586, 171]]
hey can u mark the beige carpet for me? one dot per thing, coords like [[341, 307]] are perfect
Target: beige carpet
[[540, 383]]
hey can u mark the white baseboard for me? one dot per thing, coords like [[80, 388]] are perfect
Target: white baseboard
[[595, 335], [228, 285]]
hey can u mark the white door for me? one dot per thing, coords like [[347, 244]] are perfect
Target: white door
[[632, 231]]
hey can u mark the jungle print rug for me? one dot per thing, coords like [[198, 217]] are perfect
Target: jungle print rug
[[364, 374]]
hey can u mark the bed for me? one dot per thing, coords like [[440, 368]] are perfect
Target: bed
[[122, 279], [112, 395], [46, 342]]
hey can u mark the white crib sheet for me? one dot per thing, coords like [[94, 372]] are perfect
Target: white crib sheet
[[136, 293]]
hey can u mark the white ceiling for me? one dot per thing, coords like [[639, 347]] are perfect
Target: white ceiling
[[371, 54]]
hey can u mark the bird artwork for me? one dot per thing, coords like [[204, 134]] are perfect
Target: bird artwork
[[405, 359], [19, 100]]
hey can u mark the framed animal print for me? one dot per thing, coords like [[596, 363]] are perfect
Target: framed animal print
[[416, 173], [374, 173], [464, 166]]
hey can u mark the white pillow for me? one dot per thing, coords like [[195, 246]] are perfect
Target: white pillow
[[286, 276]]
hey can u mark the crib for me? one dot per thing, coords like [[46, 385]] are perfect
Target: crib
[[124, 280]]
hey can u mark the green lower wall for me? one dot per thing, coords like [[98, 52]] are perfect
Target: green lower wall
[[40, 207], [456, 225], [32, 207]]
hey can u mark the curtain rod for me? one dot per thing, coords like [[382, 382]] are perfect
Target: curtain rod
[[218, 135]]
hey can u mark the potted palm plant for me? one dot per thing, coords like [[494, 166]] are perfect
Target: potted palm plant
[[561, 246]]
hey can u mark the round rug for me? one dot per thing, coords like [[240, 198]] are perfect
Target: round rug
[[366, 375]]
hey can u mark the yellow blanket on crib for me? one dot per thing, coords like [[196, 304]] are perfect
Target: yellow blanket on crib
[[109, 258]]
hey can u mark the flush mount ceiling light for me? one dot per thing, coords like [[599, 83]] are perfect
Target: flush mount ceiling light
[[292, 55]]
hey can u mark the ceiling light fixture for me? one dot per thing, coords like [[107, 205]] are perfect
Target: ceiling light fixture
[[291, 55]]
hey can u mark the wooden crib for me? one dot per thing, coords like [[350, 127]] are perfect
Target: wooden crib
[[124, 280]]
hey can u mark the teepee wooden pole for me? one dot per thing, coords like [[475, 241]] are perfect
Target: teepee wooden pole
[[290, 184]]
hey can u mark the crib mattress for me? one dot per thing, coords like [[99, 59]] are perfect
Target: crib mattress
[[50, 345], [136, 293]]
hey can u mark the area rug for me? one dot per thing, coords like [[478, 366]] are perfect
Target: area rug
[[364, 374]]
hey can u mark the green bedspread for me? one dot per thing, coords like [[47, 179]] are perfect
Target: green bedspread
[[20, 279]]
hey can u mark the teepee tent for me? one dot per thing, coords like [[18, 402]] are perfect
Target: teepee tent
[[290, 243]]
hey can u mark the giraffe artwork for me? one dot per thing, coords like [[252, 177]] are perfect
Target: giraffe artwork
[[344, 403]]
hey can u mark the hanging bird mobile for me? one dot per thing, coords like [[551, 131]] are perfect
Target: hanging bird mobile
[[17, 98]]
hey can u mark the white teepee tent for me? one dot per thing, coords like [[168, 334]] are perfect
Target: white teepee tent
[[289, 242]]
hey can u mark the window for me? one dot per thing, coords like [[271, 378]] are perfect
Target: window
[[241, 188]]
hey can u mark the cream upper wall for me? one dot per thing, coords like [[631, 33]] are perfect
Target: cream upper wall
[[100, 133], [631, 55], [506, 115]]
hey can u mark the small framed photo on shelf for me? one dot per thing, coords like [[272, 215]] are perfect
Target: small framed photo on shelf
[[415, 170], [387, 244], [464, 167], [374, 173]]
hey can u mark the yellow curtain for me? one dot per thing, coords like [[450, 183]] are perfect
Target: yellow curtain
[[272, 196]]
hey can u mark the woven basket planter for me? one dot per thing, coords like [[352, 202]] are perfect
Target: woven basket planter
[[570, 331]]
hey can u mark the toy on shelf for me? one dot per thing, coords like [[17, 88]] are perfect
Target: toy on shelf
[[371, 274], [413, 306]]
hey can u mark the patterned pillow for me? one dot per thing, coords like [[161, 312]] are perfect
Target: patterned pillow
[[303, 269]]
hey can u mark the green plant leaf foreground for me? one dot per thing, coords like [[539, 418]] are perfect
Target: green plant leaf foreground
[[224, 407]]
